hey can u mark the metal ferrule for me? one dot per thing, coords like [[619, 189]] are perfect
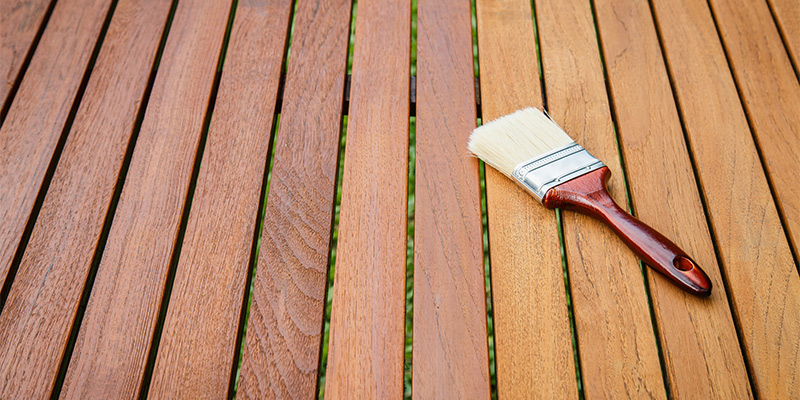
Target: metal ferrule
[[542, 173]]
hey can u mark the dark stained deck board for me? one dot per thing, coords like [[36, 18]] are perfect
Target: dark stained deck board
[[612, 317], [121, 313], [284, 332], [366, 343], [196, 354], [533, 343], [753, 248], [44, 299], [34, 123], [787, 18], [450, 344], [698, 337], [20, 20]]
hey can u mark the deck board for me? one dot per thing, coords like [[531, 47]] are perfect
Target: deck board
[[533, 343], [63, 242], [365, 354], [202, 322], [450, 344], [787, 18], [20, 20], [617, 346], [751, 242], [122, 309], [771, 97], [33, 126], [284, 331], [129, 179], [696, 334]]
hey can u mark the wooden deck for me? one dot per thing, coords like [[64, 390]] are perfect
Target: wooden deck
[[209, 199]]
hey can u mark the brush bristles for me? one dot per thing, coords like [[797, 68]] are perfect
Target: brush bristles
[[514, 138]]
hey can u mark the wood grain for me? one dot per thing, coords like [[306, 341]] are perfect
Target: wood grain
[[20, 20], [612, 318], [44, 299], [198, 342], [533, 343], [36, 118], [284, 332], [365, 353], [771, 97], [787, 17], [698, 338], [450, 344], [117, 328], [755, 255]]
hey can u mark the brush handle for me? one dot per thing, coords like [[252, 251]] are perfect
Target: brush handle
[[587, 194]]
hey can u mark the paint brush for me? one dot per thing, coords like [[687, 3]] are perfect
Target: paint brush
[[531, 149]]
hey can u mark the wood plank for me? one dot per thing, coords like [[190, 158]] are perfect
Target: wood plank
[[612, 316], [284, 331], [752, 245], [219, 233], [533, 343], [20, 21], [36, 118], [787, 17], [450, 349], [698, 337], [365, 353], [44, 299], [184, 323], [771, 96], [121, 313]]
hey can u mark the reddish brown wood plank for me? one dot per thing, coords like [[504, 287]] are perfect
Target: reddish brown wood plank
[[43, 301], [451, 354], [197, 347], [787, 17], [117, 328], [365, 355], [755, 255], [41, 106], [612, 317], [531, 324], [284, 332], [20, 20], [697, 335]]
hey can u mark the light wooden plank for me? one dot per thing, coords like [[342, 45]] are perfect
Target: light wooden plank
[[365, 354], [36, 322], [282, 345], [698, 337], [612, 316], [771, 96], [787, 17], [34, 124], [118, 325], [20, 20], [533, 343], [198, 343], [755, 255], [450, 349]]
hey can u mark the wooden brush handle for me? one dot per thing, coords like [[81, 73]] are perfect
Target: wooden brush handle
[[587, 194]]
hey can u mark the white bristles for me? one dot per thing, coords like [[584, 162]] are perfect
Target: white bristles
[[514, 138]]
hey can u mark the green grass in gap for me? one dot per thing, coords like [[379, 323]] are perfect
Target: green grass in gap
[[332, 264]]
